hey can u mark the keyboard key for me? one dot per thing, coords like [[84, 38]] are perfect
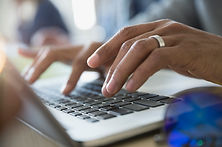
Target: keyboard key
[[89, 110], [158, 98], [57, 106], [105, 99], [62, 108], [83, 117], [107, 108], [76, 105], [82, 108], [136, 107], [106, 116], [147, 96], [114, 101], [97, 113], [120, 104], [92, 120], [149, 103], [132, 99], [169, 100], [119, 111], [68, 111], [95, 103], [89, 101], [122, 97], [70, 104], [101, 105], [76, 113]]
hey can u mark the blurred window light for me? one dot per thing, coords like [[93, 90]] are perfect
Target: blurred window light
[[84, 13]]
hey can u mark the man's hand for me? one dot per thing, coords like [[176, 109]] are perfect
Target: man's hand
[[77, 55], [188, 51]]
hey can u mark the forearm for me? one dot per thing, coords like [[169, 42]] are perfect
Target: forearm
[[179, 10]]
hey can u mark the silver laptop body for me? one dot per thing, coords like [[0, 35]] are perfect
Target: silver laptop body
[[73, 131]]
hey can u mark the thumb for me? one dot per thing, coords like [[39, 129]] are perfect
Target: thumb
[[27, 53]]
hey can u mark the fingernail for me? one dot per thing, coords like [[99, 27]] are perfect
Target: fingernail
[[130, 85], [93, 60], [29, 74], [111, 87], [66, 89]]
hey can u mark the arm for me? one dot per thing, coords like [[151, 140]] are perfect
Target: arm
[[183, 11]]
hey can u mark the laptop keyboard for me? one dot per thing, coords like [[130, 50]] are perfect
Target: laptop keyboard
[[88, 103]]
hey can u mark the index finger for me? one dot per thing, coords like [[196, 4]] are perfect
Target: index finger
[[111, 48]]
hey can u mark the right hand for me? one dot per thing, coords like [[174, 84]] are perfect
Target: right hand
[[78, 55]]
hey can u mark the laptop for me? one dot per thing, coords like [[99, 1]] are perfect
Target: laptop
[[86, 117]]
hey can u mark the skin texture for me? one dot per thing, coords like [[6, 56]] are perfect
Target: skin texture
[[77, 55], [188, 51], [10, 102], [131, 54]]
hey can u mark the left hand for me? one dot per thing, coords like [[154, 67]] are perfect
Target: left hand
[[188, 51]]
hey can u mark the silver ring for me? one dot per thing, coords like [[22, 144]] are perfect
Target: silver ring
[[159, 40]]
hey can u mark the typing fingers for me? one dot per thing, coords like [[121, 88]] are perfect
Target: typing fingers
[[77, 70], [43, 60], [111, 48]]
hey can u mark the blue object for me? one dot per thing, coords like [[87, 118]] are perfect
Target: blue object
[[195, 121]]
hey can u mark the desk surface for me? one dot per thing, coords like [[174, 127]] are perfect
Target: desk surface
[[164, 82]]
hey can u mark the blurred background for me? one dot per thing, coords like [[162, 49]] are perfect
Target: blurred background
[[35, 23], [74, 21]]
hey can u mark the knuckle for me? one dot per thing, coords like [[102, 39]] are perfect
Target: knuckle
[[166, 20], [126, 46], [49, 52], [159, 54], [126, 31], [140, 72], [140, 45], [174, 25], [95, 44], [79, 62]]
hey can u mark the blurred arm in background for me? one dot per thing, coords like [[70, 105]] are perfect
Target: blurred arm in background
[[202, 14], [47, 27]]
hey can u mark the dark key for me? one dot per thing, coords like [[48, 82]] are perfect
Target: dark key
[[120, 104], [97, 97], [82, 108], [62, 108], [76, 105], [136, 107], [76, 113], [147, 96], [149, 103], [107, 108], [169, 100], [68, 111], [113, 101], [70, 104], [101, 105], [158, 98], [119, 111], [92, 120], [97, 113], [57, 106], [95, 103], [62, 100], [89, 110], [122, 97], [105, 99], [65, 102], [106, 116], [83, 117], [51, 104], [132, 99], [89, 101]]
